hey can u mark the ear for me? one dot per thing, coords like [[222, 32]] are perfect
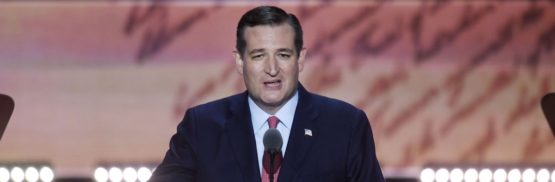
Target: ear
[[238, 61], [301, 60]]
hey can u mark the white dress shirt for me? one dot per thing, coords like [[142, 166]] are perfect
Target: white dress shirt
[[259, 124]]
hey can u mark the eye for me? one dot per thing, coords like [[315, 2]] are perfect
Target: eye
[[284, 56], [257, 56]]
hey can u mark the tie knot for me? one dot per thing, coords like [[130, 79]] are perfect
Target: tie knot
[[273, 121]]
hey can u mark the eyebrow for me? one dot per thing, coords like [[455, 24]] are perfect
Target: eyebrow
[[290, 51]]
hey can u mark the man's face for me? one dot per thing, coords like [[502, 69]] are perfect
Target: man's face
[[270, 65]]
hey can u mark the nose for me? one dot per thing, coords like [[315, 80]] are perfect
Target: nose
[[272, 67]]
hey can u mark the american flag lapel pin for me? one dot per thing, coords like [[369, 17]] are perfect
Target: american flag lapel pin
[[307, 132]]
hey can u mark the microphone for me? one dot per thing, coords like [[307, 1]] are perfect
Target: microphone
[[6, 110], [548, 107], [272, 144]]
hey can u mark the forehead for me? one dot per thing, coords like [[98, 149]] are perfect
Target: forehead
[[270, 37]]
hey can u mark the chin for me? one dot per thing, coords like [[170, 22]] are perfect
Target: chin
[[273, 101]]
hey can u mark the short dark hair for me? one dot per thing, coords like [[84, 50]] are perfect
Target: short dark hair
[[267, 15]]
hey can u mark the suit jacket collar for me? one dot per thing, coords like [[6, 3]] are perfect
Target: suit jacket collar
[[299, 143], [241, 137], [239, 129]]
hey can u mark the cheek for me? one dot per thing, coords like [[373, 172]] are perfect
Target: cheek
[[290, 71], [251, 75], [255, 70]]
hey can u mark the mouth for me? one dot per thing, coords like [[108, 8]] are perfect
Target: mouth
[[273, 84]]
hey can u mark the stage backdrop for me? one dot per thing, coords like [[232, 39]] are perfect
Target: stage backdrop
[[453, 82]]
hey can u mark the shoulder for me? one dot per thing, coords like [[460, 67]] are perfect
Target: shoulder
[[338, 119], [338, 114], [214, 112]]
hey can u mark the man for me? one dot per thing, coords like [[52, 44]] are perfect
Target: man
[[323, 139]]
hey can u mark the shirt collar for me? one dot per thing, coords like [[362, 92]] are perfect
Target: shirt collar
[[285, 114]]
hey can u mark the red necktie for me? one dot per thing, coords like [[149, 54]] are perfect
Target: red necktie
[[272, 122]]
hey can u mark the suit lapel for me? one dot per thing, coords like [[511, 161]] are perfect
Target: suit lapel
[[299, 143], [241, 136]]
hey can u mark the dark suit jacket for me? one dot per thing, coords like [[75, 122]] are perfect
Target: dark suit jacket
[[215, 142]]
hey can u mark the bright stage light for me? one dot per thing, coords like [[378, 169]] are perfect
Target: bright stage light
[[471, 175], [46, 174], [101, 174], [485, 175], [427, 175], [25, 172], [129, 174], [4, 174], [123, 172], [442, 175], [456, 175], [543, 175], [514, 175], [529, 175], [32, 174], [144, 174], [500, 175], [17, 174], [115, 174]]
